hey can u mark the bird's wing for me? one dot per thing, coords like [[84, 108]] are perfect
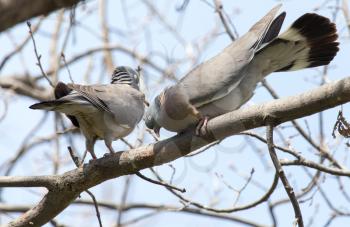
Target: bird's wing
[[91, 94], [219, 75]]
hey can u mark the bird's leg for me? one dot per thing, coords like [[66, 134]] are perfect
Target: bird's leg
[[110, 148], [108, 143], [89, 143], [93, 155], [201, 128]]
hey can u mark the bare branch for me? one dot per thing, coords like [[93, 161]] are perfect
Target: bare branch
[[38, 57], [116, 47], [160, 183], [11, 14], [77, 162], [96, 207], [282, 176], [132, 206], [323, 151], [72, 183], [314, 165], [20, 46], [108, 58], [30, 181], [219, 10], [25, 87]]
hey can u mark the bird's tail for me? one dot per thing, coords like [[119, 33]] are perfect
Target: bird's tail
[[309, 42], [47, 105]]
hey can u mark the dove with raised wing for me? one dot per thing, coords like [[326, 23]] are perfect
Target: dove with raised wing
[[228, 80]]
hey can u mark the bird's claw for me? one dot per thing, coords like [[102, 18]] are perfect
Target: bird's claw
[[201, 128]]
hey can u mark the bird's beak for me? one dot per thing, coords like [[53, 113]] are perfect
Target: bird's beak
[[146, 103], [156, 131]]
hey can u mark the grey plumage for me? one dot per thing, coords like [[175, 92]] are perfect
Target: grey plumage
[[228, 80], [107, 112]]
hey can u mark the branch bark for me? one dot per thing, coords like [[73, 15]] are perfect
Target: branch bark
[[13, 12], [72, 183]]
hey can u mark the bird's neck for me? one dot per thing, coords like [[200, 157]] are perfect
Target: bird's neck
[[121, 78]]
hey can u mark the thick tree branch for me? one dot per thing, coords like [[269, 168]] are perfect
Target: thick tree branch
[[34, 181], [16, 11], [72, 183]]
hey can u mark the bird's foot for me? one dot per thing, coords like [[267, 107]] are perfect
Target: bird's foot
[[93, 155], [110, 148], [201, 128]]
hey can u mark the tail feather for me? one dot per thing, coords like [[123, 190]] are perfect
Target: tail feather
[[309, 42], [47, 105], [60, 91]]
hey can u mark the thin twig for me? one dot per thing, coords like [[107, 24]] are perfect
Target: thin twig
[[219, 9], [160, 183], [123, 200], [66, 65], [77, 162], [140, 218], [19, 47], [199, 151], [183, 5], [227, 210], [323, 151], [38, 57], [96, 207], [282, 176]]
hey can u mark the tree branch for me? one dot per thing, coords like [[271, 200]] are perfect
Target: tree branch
[[144, 206], [282, 176], [31, 181], [72, 183], [24, 86], [16, 11]]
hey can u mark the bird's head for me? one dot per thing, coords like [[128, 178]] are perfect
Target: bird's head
[[151, 116], [126, 75]]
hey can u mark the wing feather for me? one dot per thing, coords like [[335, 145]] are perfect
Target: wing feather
[[218, 76], [90, 94]]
